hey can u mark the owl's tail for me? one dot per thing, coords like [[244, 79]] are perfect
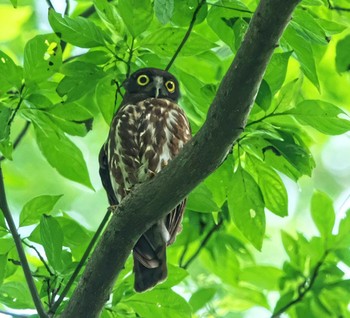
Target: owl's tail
[[150, 266]]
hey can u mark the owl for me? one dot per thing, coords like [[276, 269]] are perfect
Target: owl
[[148, 130]]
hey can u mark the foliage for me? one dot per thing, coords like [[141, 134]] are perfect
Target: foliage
[[61, 92]]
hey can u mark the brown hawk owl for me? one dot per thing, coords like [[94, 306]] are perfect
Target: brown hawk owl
[[148, 130]]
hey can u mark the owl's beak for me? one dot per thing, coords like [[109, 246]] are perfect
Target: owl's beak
[[158, 85]]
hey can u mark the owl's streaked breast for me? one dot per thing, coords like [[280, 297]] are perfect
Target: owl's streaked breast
[[143, 138]]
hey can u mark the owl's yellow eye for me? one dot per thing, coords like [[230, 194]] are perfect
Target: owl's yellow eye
[[143, 80], [170, 86]]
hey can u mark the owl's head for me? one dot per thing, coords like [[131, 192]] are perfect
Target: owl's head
[[152, 82]]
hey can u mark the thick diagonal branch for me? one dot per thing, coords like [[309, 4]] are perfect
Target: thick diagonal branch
[[200, 157]]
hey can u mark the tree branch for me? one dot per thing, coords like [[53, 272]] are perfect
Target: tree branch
[[189, 30], [25, 266], [303, 288], [152, 200]]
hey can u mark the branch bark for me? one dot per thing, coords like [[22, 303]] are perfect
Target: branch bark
[[201, 156]]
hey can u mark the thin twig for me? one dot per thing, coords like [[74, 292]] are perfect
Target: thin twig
[[302, 290], [19, 137], [25, 266], [188, 33], [118, 89], [49, 3], [183, 254], [66, 289], [265, 117], [17, 107], [203, 243], [40, 257], [66, 11], [131, 51], [337, 8]]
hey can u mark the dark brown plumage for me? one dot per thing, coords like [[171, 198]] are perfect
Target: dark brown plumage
[[148, 130]]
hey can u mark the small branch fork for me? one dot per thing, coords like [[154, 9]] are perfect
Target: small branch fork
[[303, 288], [213, 229]]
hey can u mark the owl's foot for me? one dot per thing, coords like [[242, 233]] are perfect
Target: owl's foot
[[113, 208]]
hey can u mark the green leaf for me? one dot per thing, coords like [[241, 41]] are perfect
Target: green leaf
[[202, 297], [343, 237], [165, 41], [183, 12], [276, 71], [33, 210], [81, 79], [136, 14], [246, 207], [10, 74], [52, 240], [76, 237], [175, 276], [322, 213], [307, 26], [77, 31], [297, 156], [5, 115], [287, 96], [304, 54], [6, 245], [342, 59], [264, 277], [2, 220], [219, 181], [105, 96], [322, 116], [331, 27], [201, 200], [3, 264], [109, 15], [60, 152], [291, 247], [271, 186], [42, 58], [283, 301], [15, 294], [243, 298], [38, 101], [263, 99], [164, 10], [160, 304], [96, 57], [6, 148], [14, 3], [74, 111], [223, 20]]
